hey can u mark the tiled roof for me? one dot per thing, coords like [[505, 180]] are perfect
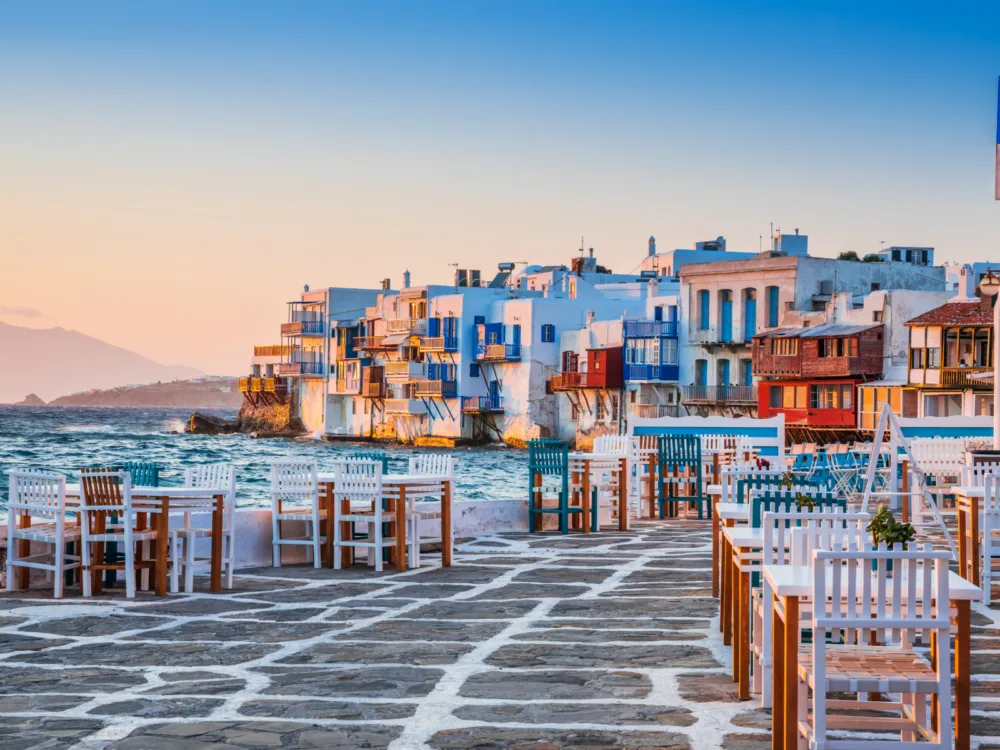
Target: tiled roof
[[817, 332], [955, 314]]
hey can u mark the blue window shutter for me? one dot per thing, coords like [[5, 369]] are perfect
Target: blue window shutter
[[434, 327], [658, 312], [772, 306], [479, 320], [474, 370], [703, 305]]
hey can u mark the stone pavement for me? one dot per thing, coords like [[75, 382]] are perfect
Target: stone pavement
[[602, 642]]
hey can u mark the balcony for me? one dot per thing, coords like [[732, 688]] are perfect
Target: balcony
[[404, 371], [373, 389], [368, 342], [415, 326], [655, 411], [307, 369], [273, 350], [637, 329], [436, 388], [651, 373], [498, 352], [572, 380], [440, 344], [262, 385], [405, 406], [311, 327], [482, 404], [719, 394], [962, 377], [713, 337], [349, 386]]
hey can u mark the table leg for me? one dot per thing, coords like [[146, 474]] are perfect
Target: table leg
[[446, 525], [622, 495], [777, 675], [401, 529], [585, 500], [24, 550], [973, 545], [962, 676], [215, 581], [652, 485], [347, 534], [97, 580], [963, 570], [935, 707], [715, 554], [162, 537], [328, 525], [791, 688], [734, 608], [744, 610]]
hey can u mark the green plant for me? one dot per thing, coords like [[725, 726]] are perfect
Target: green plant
[[804, 501], [872, 258], [848, 255], [787, 480], [885, 528]]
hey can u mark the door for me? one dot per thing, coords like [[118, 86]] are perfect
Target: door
[[658, 312], [747, 378], [701, 372], [726, 334], [494, 394], [723, 372], [750, 315], [515, 334]]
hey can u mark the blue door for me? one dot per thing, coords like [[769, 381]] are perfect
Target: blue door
[[658, 312], [727, 317], [703, 309], [772, 307], [723, 372], [750, 319], [494, 394], [701, 372], [515, 333], [747, 372]]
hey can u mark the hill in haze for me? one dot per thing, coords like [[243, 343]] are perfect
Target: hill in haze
[[53, 362], [203, 393]]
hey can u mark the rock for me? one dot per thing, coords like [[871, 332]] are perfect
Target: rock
[[30, 400], [207, 424]]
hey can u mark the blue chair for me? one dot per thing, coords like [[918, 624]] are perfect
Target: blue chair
[[679, 466], [548, 458], [374, 456], [783, 501]]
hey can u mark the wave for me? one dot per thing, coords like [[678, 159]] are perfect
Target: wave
[[86, 428]]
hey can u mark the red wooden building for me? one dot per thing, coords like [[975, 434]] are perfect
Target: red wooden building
[[811, 374], [604, 371]]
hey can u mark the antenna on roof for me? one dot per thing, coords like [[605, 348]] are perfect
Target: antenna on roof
[[581, 245]]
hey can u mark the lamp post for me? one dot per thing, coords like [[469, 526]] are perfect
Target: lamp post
[[989, 286]]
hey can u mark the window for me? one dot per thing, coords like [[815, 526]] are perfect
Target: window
[[574, 414], [876, 286], [934, 357], [784, 347], [602, 410], [772, 307], [548, 333], [670, 351], [774, 395], [479, 320], [834, 396], [916, 359], [984, 406], [704, 301], [474, 370], [614, 407], [943, 405]]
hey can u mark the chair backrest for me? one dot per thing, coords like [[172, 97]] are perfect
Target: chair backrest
[[783, 501], [295, 480], [975, 475], [818, 529], [40, 494], [144, 473], [548, 456], [767, 481], [358, 480], [731, 476], [614, 444], [105, 489], [432, 464], [212, 476], [678, 452], [938, 454], [379, 456], [991, 497]]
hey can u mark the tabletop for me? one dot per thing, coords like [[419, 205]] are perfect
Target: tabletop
[[735, 511], [797, 580], [744, 536], [330, 476], [969, 491], [174, 493], [585, 456]]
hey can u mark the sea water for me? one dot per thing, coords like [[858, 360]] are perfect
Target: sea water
[[65, 439]]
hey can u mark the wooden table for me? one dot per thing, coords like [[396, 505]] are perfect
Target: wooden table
[[396, 487], [161, 502], [724, 515], [969, 501], [583, 464], [791, 582], [740, 542]]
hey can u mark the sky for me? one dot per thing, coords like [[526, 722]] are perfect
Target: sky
[[172, 173]]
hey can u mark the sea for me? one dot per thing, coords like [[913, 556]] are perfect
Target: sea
[[65, 439]]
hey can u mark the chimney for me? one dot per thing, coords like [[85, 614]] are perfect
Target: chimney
[[591, 252], [966, 284], [406, 279], [652, 246], [591, 314], [386, 285]]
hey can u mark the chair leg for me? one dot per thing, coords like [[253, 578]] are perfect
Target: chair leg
[[175, 562], [317, 553], [147, 554], [276, 538], [230, 558], [378, 545], [130, 571], [86, 579], [190, 542], [337, 546], [57, 590]]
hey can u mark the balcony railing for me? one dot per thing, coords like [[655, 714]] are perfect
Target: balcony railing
[[482, 404], [649, 328], [650, 372], [405, 406], [375, 389], [347, 385], [498, 352], [962, 376], [655, 411], [273, 350], [368, 342], [404, 370], [406, 325], [720, 393], [440, 344], [262, 385], [301, 368], [303, 328], [436, 388]]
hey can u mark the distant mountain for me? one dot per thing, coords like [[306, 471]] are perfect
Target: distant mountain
[[204, 393], [52, 362]]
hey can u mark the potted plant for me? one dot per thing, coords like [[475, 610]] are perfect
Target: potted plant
[[804, 501], [787, 480], [885, 528]]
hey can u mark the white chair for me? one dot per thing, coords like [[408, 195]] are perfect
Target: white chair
[[296, 484], [358, 498], [989, 528], [616, 445], [847, 598], [104, 495], [36, 512], [183, 540], [790, 539], [430, 465], [640, 448]]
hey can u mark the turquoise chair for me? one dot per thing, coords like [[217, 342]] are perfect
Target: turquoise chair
[[679, 464], [548, 457], [374, 456], [783, 501], [144, 474]]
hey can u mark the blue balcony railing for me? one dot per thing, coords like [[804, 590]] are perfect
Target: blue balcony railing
[[439, 343], [651, 372], [649, 329], [478, 404], [498, 352]]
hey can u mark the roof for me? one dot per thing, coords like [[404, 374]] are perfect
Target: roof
[[821, 331], [955, 314]]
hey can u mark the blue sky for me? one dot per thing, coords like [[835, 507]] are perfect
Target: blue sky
[[353, 139]]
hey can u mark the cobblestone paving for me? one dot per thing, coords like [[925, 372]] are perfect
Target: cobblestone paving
[[601, 642]]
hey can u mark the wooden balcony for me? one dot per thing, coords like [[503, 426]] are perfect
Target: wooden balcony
[[275, 386], [499, 352], [655, 411], [569, 381], [404, 370], [368, 342], [373, 390], [436, 388], [307, 369], [303, 328], [719, 394], [411, 406], [961, 377], [273, 350], [439, 344], [416, 326]]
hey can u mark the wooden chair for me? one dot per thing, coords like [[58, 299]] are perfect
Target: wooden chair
[[548, 471], [296, 484], [905, 605], [680, 474], [642, 454], [36, 513], [183, 540], [107, 515], [358, 498], [429, 465]]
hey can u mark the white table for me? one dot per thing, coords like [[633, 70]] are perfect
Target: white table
[[723, 514], [788, 583], [161, 502], [397, 486], [585, 463]]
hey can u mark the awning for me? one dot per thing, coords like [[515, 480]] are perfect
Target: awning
[[395, 339], [982, 377]]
